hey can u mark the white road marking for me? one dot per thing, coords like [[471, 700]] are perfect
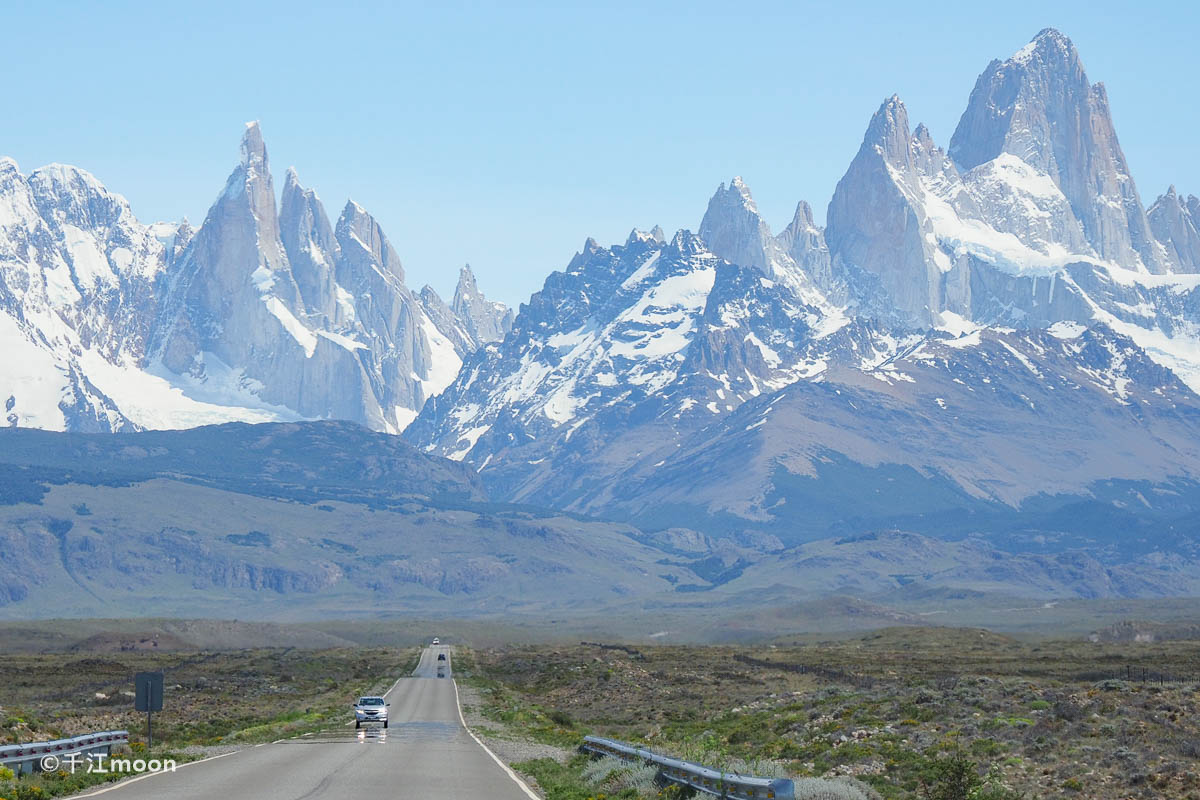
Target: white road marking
[[524, 787], [126, 782]]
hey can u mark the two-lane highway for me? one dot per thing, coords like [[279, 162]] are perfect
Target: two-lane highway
[[425, 752]]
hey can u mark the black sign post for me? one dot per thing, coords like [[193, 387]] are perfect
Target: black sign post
[[148, 697]]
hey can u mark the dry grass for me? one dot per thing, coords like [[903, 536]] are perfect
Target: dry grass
[[1038, 719], [210, 697]]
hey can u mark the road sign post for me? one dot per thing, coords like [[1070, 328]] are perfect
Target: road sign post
[[148, 697]]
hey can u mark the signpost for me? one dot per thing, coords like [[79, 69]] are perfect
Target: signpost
[[148, 697]]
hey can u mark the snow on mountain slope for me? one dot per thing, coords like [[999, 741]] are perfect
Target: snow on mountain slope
[[989, 279], [1003, 243], [1039, 106], [76, 279], [256, 316], [621, 355], [987, 420]]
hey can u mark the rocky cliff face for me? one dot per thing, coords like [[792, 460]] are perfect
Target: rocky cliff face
[[732, 227], [805, 244], [878, 221], [1040, 107], [353, 343], [1175, 222], [258, 315], [952, 296], [313, 251], [485, 320], [936, 244], [232, 297], [624, 352], [999, 231]]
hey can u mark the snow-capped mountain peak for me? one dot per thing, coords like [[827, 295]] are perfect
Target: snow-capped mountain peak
[[948, 289], [258, 315], [1039, 106]]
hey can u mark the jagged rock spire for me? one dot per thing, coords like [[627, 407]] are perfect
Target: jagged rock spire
[[254, 150], [311, 247], [485, 320], [1039, 106], [1176, 224], [733, 229]]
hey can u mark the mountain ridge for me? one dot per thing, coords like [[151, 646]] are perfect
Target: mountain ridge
[[123, 325], [986, 262], [973, 346], [312, 520]]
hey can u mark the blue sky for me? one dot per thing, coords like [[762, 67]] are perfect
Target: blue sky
[[505, 135]]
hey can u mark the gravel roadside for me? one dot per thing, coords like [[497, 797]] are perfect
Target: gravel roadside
[[509, 745]]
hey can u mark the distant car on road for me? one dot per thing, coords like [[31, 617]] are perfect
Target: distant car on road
[[436, 640], [371, 709], [441, 656]]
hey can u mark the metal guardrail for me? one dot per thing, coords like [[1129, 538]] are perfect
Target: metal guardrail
[[696, 776], [28, 757]]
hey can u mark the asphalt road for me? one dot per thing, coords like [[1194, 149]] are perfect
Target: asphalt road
[[426, 753]]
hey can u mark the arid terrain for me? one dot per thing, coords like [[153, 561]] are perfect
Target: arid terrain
[[213, 700], [893, 713], [893, 709]]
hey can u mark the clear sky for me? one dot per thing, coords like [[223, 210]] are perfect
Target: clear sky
[[505, 135]]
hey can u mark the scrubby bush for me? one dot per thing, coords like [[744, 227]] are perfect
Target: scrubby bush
[[601, 768], [834, 789], [29, 793], [953, 777], [957, 777], [615, 776], [561, 718]]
